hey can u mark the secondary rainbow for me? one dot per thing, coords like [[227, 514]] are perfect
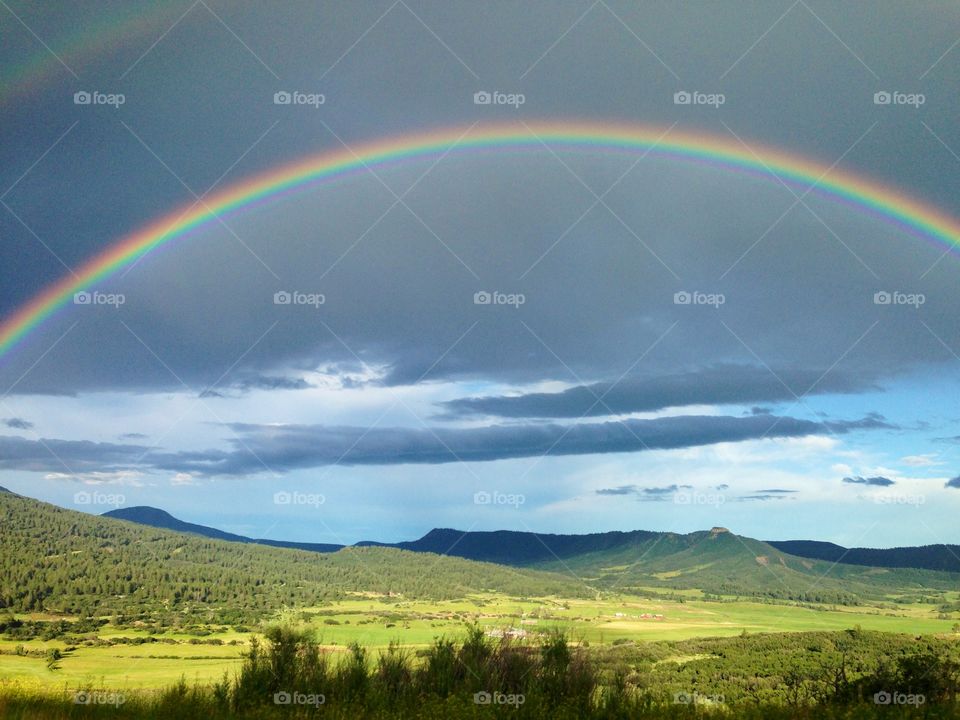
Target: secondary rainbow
[[866, 195]]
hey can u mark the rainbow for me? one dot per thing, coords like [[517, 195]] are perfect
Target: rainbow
[[83, 45], [857, 191]]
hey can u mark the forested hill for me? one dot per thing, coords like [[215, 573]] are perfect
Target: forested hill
[[928, 557], [154, 517], [66, 561], [518, 548]]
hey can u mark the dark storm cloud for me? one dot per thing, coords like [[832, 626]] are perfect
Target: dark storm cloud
[[67, 456], [877, 481], [953, 482], [762, 497], [18, 423], [400, 294], [282, 448], [268, 448], [714, 385]]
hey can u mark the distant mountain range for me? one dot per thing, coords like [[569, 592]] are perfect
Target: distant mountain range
[[927, 557], [522, 549], [155, 517]]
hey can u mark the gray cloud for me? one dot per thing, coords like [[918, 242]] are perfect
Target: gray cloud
[[18, 423], [953, 482], [400, 294], [267, 382], [67, 456], [299, 446], [714, 385], [260, 448], [645, 493], [878, 481], [618, 490]]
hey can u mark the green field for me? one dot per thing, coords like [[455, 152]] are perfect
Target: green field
[[376, 621]]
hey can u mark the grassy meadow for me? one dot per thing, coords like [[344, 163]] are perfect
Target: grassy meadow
[[159, 659]]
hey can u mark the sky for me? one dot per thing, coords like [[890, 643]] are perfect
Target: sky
[[556, 338]]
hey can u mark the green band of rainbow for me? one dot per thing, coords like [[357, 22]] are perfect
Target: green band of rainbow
[[866, 195]]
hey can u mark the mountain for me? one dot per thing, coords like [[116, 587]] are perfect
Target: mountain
[[58, 560], [665, 556], [928, 557], [719, 562], [510, 547], [154, 517]]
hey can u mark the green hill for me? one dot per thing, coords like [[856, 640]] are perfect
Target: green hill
[[58, 560], [720, 562]]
